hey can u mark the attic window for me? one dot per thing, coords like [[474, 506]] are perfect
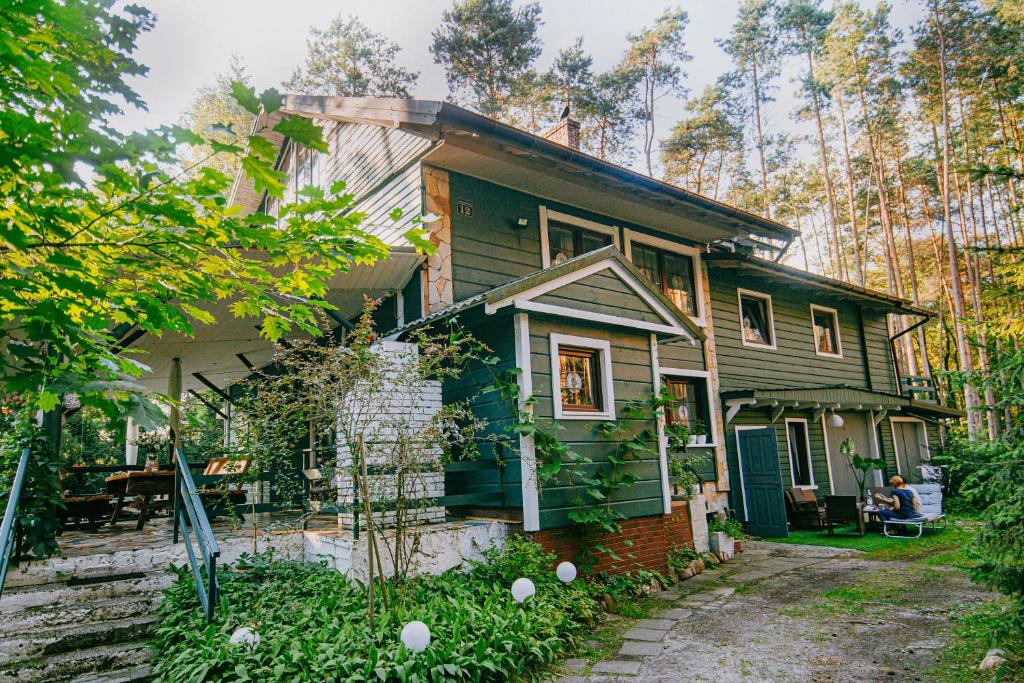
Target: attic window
[[672, 273]]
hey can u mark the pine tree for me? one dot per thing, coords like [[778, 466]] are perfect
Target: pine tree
[[215, 114]]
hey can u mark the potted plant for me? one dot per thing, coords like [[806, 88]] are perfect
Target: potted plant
[[700, 432], [718, 538], [861, 466]]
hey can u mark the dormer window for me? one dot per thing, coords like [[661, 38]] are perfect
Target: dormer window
[[670, 272], [567, 241]]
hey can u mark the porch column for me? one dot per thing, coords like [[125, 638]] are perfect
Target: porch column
[[131, 446], [174, 392]]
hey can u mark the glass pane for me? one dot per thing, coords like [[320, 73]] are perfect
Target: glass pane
[[679, 282], [590, 241], [754, 312], [577, 379], [799, 454], [560, 241], [825, 332], [646, 259], [686, 402]]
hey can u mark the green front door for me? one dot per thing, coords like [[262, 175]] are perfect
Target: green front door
[[761, 479]]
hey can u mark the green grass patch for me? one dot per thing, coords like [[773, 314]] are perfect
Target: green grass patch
[[973, 634], [947, 546]]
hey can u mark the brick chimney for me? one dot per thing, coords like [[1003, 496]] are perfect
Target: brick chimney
[[565, 132]]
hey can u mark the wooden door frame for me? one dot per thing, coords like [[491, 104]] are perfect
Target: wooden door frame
[[924, 430]]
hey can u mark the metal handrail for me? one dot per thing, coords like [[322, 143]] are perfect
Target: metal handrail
[[7, 527], [189, 513]]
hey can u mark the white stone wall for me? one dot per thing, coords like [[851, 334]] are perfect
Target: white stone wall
[[395, 413]]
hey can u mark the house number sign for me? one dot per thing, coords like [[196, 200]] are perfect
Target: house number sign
[[464, 208]]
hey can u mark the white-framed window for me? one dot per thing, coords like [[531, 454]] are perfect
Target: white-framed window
[[581, 378], [564, 236], [757, 322], [672, 267], [692, 400], [825, 327], [801, 469]]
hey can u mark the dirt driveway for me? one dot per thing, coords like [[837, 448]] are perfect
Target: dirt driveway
[[792, 613]]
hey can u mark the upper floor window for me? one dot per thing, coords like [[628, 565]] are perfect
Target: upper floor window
[[567, 241], [563, 236], [757, 327], [825, 322], [307, 168], [672, 272]]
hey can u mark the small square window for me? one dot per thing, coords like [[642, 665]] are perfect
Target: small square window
[[689, 402], [580, 379], [826, 331], [756, 324]]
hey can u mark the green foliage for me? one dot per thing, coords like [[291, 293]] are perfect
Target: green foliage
[[680, 557], [348, 59], [627, 585], [104, 231], [218, 119], [860, 465], [313, 627], [40, 495], [730, 526], [486, 48]]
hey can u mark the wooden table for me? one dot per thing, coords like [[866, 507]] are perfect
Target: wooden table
[[145, 485]]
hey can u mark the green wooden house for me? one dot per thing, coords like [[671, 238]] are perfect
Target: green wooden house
[[603, 286]]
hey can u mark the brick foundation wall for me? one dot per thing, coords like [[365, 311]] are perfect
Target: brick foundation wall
[[652, 538]]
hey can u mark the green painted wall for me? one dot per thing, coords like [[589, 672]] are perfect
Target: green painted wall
[[794, 363], [632, 380]]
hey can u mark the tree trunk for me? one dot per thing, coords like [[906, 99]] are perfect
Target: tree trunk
[[850, 200], [765, 204], [826, 173]]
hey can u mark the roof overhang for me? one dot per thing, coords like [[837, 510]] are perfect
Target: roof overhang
[[800, 278], [836, 398], [223, 352]]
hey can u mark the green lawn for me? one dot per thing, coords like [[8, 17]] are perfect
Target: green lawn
[[936, 546]]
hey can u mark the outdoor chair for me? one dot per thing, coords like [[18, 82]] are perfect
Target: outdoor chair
[[92, 508], [842, 510], [803, 509], [930, 497], [214, 493]]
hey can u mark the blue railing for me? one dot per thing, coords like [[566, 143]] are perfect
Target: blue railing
[[189, 514], [8, 527]]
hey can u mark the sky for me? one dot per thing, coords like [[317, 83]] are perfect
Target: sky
[[194, 40]]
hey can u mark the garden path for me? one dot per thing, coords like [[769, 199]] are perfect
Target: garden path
[[792, 613]]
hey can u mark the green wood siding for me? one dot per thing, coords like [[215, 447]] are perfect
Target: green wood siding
[[497, 333], [761, 418], [632, 380], [794, 363], [602, 292]]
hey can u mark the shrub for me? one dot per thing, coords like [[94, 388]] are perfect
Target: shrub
[[730, 526], [313, 626]]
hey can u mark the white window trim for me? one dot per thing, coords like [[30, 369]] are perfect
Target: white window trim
[[631, 236], [712, 407], [603, 347], [739, 462], [810, 455], [814, 337], [559, 217], [740, 293], [895, 451]]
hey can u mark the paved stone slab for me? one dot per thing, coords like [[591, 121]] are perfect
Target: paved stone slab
[[676, 613], [702, 597], [724, 592], [633, 648], [616, 666], [648, 634], [573, 679], [657, 624], [574, 664], [669, 595]]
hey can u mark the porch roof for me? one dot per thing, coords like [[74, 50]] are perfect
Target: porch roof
[[227, 351], [837, 397]]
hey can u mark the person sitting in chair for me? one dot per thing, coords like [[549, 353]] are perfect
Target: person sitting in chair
[[905, 504]]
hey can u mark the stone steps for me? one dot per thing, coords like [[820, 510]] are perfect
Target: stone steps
[[81, 628]]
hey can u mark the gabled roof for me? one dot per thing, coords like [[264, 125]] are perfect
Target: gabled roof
[[478, 146], [795, 276], [521, 292]]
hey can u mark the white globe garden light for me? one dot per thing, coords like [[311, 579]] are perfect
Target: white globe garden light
[[523, 589], [836, 420], [245, 636], [416, 636], [566, 572]]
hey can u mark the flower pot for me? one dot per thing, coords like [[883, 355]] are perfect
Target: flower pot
[[720, 542], [692, 441], [737, 546], [702, 439]]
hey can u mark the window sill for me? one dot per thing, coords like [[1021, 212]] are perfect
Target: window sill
[[702, 445], [828, 355], [564, 415], [807, 487], [764, 347]]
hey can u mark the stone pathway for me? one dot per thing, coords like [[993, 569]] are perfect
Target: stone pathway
[[646, 639]]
